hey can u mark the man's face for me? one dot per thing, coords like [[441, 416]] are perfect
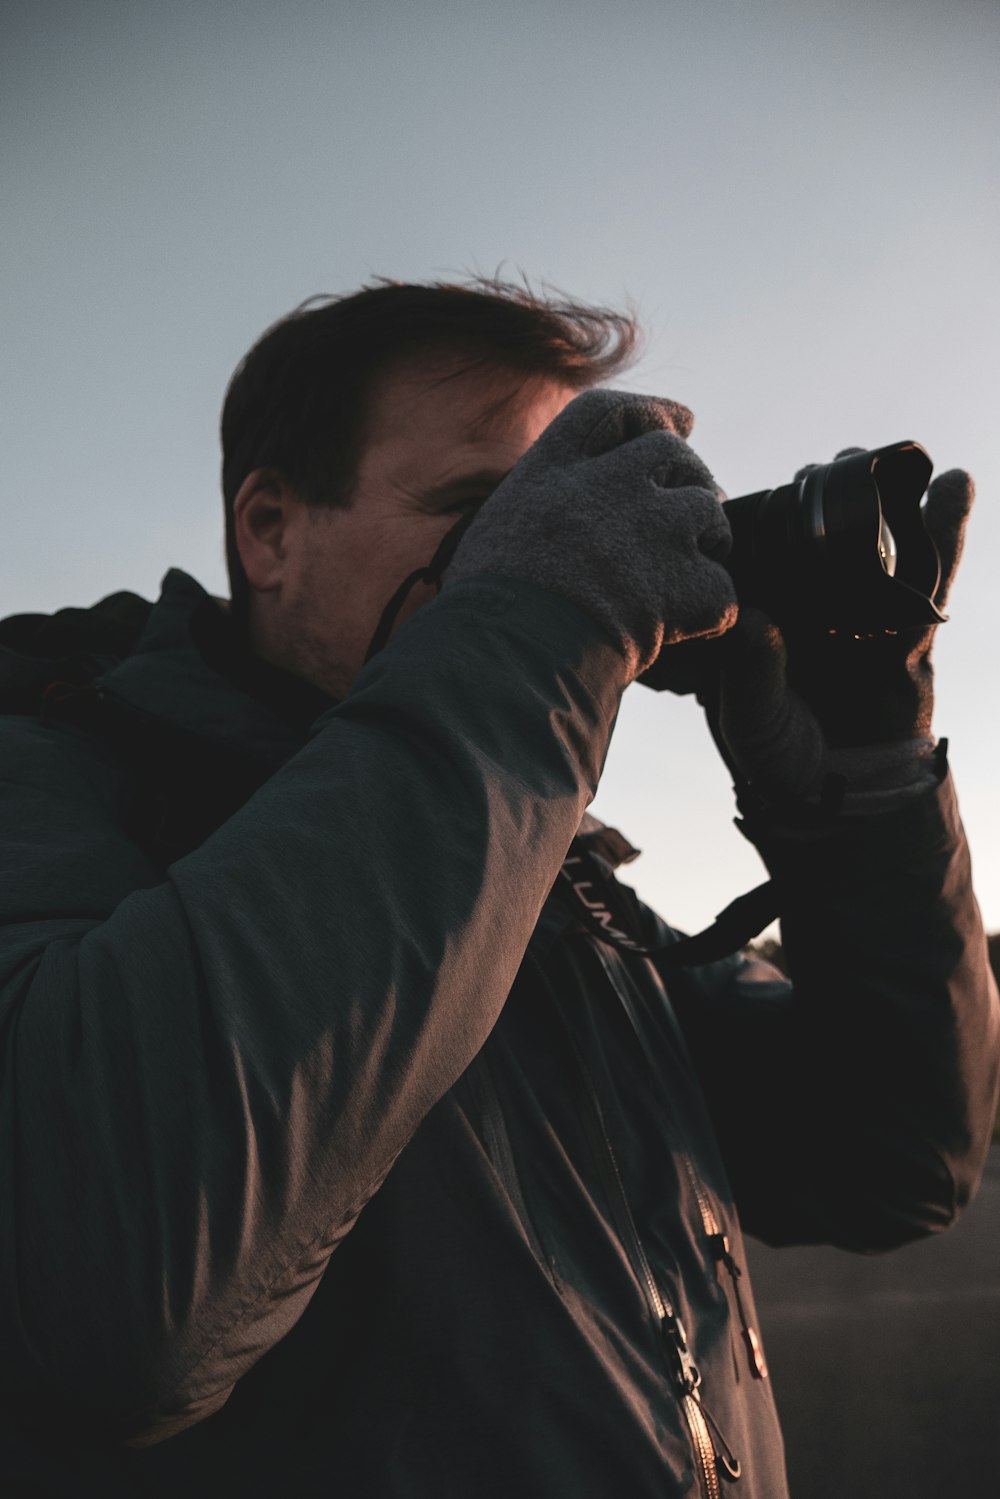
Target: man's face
[[434, 448]]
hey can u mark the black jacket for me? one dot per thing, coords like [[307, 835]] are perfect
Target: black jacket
[[299, 1201]]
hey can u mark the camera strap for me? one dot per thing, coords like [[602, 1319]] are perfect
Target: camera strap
[[742, 920], [602, 904], [433, 574]]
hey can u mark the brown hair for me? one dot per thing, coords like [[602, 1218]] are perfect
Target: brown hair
[[298, 400]]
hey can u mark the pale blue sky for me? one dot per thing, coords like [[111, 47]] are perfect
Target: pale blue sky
[[802, 200]]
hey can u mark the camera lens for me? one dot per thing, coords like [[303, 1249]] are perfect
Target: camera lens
[[844, 547]]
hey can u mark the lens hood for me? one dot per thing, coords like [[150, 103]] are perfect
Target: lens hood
[[842, 548]]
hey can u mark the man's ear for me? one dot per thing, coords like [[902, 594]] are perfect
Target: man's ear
[[266, 513]]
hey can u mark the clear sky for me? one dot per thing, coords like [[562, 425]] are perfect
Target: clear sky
[[802, 200]]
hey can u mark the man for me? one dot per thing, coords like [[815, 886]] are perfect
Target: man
[[342, 1153]]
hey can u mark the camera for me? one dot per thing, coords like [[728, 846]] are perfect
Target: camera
[[844, 548]]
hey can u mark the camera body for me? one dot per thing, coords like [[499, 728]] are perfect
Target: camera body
[[844, 548]]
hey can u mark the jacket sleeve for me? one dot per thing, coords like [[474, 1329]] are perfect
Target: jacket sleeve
[[854, 1105], [205, 1078]]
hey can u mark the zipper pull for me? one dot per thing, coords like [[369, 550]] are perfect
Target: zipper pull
[[727, 1464], [751, 1342], [687, 1378], [755, 1353], [687, 1375]]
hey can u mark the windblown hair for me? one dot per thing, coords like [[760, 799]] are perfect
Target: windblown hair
[[298, 400]]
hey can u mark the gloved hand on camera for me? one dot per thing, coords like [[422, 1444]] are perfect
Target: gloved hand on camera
[[612, 510], [810, 716]]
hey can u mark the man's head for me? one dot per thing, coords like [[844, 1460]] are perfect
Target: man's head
[[356, 432]]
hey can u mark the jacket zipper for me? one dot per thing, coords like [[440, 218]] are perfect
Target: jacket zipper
[[701, 1441], [718, 1241], [712, 1454], [719, 1244]]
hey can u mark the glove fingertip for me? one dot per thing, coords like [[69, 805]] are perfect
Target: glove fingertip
[[954, 485], [630, 417], [946, 511], [681, 417]]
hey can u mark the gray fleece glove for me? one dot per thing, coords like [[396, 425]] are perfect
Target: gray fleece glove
[[611, 509]]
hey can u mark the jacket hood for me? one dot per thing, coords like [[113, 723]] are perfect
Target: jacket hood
[[178, 662], [70, 647]]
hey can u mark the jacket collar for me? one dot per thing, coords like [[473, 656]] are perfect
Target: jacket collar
[[189, 670]]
